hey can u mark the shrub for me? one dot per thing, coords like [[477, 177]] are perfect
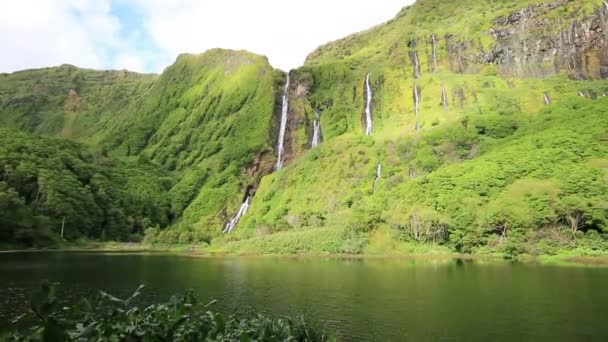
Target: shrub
[[180, 319]]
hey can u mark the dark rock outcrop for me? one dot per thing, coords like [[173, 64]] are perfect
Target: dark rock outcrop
[[531, 43]]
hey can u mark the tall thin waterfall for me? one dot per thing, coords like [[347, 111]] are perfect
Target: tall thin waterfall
[[284, 113], [434, 41], [547, 99], [235, 220], [368, 106], [378, 176], [417, 72], [417, 96], [444, 97], [316, 133], [581, 94]]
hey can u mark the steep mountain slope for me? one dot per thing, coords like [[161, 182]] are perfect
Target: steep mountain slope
[[208, 122], [488, 130], [67, 101], [209, 119]]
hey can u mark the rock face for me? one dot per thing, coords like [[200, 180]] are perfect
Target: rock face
[[531, 43]]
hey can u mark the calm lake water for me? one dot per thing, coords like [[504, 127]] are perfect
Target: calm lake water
[[359, 300]]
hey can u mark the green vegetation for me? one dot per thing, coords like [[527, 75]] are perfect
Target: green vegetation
[[494, 169], [47, 183], [179, 149], [537, 190], [509, 159], [180, 319]]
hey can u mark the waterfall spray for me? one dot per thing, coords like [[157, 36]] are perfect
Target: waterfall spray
[[444, 97], [416, 60], [235, 220], [378, 176], [434, 53], [417, 95], [284, 113], [368, 106], [316, 133]]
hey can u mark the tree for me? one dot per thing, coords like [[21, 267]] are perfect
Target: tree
[[573, 210]]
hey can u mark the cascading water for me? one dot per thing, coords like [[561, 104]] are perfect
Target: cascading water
[[581, 94], [316, 133], [444, 97], [417, 95], [417, 72], [235, 220], [434, 53], [378, 176], [547, 100], [283, 127], [368, 106]]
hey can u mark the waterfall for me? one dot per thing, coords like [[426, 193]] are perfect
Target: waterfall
[[581, 94], [378, 176], [317, 136], [417, 95], [547, 100], [434, 53], [235, 220], [368, 106], [444, 97], [417, 72], [284, 113]]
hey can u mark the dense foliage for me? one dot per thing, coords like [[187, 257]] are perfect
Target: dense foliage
[[181, 319], [50, 184], [500, 164], [177, 149]]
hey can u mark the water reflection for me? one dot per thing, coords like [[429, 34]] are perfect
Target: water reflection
[[359, 299]]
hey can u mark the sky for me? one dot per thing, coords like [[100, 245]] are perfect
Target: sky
[[148, 35]]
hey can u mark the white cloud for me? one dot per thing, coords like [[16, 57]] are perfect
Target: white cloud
[[285, 31], [43, 33], [129, 61], [39, 33]]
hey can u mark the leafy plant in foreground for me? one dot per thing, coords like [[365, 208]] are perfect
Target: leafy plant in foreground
[[180, 319]]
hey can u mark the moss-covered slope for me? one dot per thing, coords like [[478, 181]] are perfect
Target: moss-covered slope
[[208, 121], [506, 146]]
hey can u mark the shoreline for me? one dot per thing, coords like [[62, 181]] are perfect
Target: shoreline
[[563, 260]]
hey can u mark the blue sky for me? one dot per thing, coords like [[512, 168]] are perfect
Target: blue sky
[[131, 18], [147, 35]]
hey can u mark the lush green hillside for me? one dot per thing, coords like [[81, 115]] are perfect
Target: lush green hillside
[[48, 183], [207, 124], [67, 101], [489, 129], [510, 153], [210, 120]]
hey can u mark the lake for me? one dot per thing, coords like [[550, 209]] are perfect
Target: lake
[[357, 299]]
